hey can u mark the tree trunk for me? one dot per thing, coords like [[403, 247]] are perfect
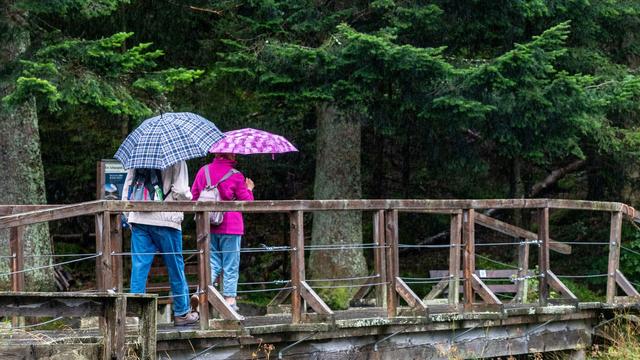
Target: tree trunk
[[337, 177], [22, 180]]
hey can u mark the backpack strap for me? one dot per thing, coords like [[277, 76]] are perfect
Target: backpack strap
[[226, 176], [208, 176]]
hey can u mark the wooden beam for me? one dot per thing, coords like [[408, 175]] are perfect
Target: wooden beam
[[16, 246], [115, 313], [296, 221], [615, 237], [380, 261], [523, 270], [485, 293], [518, 232], [438, 289], [314, 300], [409, 296], [391, 240], [559, 286], [203, 243], [357, 204], [56, 213], [455, 250], [543, 256], [281, 296], [625, 284], [217, 301], [115, 237], [469, 266]]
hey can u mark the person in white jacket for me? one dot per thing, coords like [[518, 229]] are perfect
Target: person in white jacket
[[153, 232]]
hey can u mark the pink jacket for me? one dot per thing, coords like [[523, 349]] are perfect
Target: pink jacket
[[234, 188]]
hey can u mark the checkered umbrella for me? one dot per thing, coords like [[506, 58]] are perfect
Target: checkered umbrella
[[162, 141], [252, 141]]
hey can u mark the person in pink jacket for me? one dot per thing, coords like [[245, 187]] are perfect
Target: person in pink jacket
[[226, 237]]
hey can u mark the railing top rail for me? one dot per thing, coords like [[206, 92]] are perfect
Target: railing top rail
[[57, 212]]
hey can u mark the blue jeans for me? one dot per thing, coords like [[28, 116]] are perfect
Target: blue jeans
[[225, 257], [149, 239]]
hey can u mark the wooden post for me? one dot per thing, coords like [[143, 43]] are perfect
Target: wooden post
[[391, 240], [523, 271], [115, 238], [104, 268], [115, 330], [296, 220], [454, 259], [204, 266], [615, 238], [16, 245], [379, 257], [148, 329], [468, 237], [543, 237]]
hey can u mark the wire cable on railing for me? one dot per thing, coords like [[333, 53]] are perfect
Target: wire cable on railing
[[581, 276], [630, 250], [36, 325], [57, 255], [184, 252], [274, 282], [255, 250], [347, 286], [429, 278], [497, 262], [532, 242], [344, 246], [52, 265], [265, 290], [411, 246], [345, 279], [585, 243]]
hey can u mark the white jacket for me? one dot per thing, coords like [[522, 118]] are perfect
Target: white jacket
[[174, 178]]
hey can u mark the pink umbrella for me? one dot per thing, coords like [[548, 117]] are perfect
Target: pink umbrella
[[252, 141]]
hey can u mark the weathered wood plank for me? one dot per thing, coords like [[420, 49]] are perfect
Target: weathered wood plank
[[281, 296], [559, 286], [115, 237], [523, 271], [485, 293], [438, 289], [115, 311], [16, 248], [54, 213], [469, 266], [543, 257], [615, 237], [296, 222], [512, 230], [148, 329], [314, 300], [380, 261], [221, 306], [409, 296], [455, 233], [353, 204], [625, 284], [391, 240], [203, 242]]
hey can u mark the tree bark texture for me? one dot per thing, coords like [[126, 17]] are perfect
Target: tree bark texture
[[22, 180], [337, 177]]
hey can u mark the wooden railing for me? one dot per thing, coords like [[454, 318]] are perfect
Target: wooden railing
[[464, 217]]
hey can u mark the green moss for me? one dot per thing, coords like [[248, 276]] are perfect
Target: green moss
[[336, 299]]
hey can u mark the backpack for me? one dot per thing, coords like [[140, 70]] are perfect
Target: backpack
[[146, 185], [211, 193]]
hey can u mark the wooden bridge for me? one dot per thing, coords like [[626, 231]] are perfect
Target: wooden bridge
[[397, 323]]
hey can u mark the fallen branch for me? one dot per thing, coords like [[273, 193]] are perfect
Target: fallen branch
[[554, 177]]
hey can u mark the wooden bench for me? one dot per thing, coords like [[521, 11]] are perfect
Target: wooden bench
[[111, 308]]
